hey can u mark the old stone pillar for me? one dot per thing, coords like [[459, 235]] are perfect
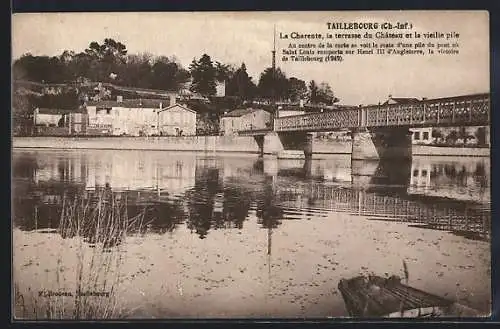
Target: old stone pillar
[[381, 143], [259, 139], [272, 143], [308, 167], [308, 146]]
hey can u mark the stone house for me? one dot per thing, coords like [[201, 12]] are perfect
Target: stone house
[[132, 117], [177, 120], [244, 119], [422, 135], [50, 121], [141, 117]]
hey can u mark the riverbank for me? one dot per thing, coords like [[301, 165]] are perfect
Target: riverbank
[[191, 143], [214, 144], [450, 151]]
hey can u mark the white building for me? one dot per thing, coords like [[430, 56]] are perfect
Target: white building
[[177, 120], [422, 135], [244, 119], [141, 117], [134, 117]]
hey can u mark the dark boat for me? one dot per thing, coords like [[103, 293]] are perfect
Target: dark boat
[[374, 296]]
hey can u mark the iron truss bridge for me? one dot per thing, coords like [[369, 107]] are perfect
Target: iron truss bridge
[[468, 110]]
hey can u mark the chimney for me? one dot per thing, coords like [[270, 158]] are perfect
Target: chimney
[[172, 100], [161, 105], [301, 103], [119, 98]]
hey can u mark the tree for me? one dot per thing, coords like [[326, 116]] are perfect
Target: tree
[[22, 112], [223, 72], [437, 135], [204, 76], [462, 134], [480, 135], [109, 49], [326, 94], [136, 71], [297, 89], [273, 85], [452, 137], [313, 92], [167, 74], [40, 69], [321, 94], [105, 58], [240, 84]]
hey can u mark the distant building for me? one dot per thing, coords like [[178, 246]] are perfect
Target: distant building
[[49, 121], [177, 120], [141, 117], [419, 135], [422, 135], [220, 88], [48, 117], [134, 117], [287, 111], [401, 100], [244, 119]]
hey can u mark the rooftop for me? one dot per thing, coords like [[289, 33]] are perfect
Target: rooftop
[[401, 100], [44, 110], [177, 105], [130, 103]]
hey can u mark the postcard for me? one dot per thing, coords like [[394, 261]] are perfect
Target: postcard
[[251, 165]]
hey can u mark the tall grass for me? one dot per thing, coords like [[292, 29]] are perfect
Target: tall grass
[[89, 259]]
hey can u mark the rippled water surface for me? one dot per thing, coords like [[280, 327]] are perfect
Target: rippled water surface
[[242, 236]]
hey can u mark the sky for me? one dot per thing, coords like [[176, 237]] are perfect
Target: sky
[[236, 37]]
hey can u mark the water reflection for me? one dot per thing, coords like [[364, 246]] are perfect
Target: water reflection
[[213, 193], [462, 179]]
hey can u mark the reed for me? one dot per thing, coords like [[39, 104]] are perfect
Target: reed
[[88, 262]]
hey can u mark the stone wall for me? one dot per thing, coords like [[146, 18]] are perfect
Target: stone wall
[[272, 145], [192, 143], [450, 151]]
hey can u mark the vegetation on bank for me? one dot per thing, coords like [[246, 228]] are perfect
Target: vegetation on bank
[[92, 232]]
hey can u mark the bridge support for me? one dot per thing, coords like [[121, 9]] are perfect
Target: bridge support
[[381, 143], [259, 139], [308, 146], [272, 143], [297, 144]]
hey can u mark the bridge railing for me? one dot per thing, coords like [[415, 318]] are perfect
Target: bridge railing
[[252, 132], [320, 121], [462, 110]]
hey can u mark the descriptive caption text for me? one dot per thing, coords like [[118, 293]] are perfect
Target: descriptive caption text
[[342, 40]]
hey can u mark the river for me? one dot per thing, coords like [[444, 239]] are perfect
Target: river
[[242, 236]]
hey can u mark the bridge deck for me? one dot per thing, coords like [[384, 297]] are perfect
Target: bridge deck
[[469, 110]]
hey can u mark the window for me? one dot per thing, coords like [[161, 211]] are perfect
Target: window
[[424, 173], [416, 135], [425, 135], [415, 173]]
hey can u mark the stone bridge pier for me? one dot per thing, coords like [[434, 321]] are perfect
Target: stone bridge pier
[[381, 155], [259, 139], [275, 143], [392, 143]]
